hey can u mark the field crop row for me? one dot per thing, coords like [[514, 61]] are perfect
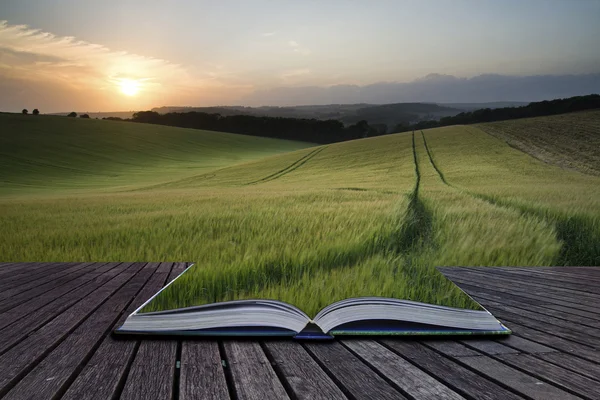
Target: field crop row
[[566, 200], [569, 140]]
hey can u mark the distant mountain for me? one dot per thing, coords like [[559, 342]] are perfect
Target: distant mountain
[[436, 88], [478, 106]]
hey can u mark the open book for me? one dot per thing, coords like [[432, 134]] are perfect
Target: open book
[[354, 316]]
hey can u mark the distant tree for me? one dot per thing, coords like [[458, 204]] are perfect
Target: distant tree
[[84, 116], [36, 111], [25, 112], [72, 115], [378, 129]]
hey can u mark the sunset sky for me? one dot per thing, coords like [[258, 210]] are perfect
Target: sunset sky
[[113, 55]]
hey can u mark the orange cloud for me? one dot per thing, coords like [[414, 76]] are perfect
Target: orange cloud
[[32, 56]]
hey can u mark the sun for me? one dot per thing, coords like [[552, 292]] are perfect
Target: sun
[[129, 87]]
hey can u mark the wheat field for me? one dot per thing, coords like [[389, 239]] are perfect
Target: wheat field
[[304, 224]]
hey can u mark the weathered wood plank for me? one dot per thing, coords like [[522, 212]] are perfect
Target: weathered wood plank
[[488, 346], [515, 379], [547, 339], [568, 380], [539, 313], [410, 379], [550, 302], [573, 275], [582, 273], [19, 358], [34, 287], [20, 326], [20, 269], [104, 375], [49, 377], [116, 366], [177, 270], [457, 377], [538, 288], [475, 276], [27, 271], [525, 345], [301, 372], [251, 372], [558, 328], [573, 363], [35, 271], [9, 269], [202, 375], [152, 372], [451, 347], [154, 357], [523, 291], [530, 277], [349, 372], [39, 302], [521, 300], [524, 383]]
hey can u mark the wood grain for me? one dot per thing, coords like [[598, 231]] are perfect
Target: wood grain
[[57, 343], [252, 374], [356, 377], [301, 372], [202, 373], [410, 379]]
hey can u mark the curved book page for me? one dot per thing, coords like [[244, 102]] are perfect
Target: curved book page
[[231, 314], [384, 309], [360, 315]]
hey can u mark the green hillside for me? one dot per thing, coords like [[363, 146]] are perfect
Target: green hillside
[[52, 153], [366, 217], [568, 140]]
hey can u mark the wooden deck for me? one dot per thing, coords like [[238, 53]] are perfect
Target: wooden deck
[[55, 343]]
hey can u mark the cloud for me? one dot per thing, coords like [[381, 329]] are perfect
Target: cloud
[[293, 76], [30, 55], [296, 48], [42, 53], [268, 34], [295, 72]]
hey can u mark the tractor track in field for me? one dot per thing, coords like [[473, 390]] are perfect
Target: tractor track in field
[[416, 228], [292, 167], [580, 235], [433, 164], [412, 234]]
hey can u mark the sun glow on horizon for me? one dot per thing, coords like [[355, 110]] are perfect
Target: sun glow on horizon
[[129, 87]]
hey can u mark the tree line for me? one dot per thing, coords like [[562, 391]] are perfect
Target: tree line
[[535, 109], [330, 131], [307, 130]]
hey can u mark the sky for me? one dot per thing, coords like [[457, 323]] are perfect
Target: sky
[[114, 55]]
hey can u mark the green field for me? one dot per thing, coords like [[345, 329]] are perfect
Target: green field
[[310, 225], [49, 154], [568, 140]]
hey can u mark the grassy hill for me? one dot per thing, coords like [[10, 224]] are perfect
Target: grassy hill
[[52, 153], [315, 225], [568, 140]]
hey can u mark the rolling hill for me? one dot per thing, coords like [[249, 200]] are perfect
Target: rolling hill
[[568, 140], [54, 153]]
